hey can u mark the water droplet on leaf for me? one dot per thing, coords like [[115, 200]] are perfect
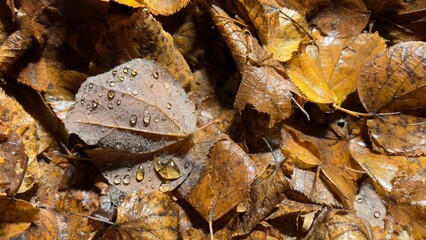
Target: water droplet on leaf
[[146, 118], [121, 79], [376, 214], [133, 119], [155, 74], [118, 102], [168, 170], [117, 180], [114, 72], [125, 70], [135, 92], [169, 105], [140, 173], [166, 85], [95, 104], [134, 73], [90, 85], [156, 119], [111, 94], [126, 180]]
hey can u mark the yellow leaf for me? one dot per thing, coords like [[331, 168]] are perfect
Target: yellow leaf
[[131, 3], [327, 71]]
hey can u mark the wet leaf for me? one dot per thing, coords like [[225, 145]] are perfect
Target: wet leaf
[[279, 28], [395, 81], [146, 216], [225, 181], [396, 134], [369, 205], [12, 48], [140, 36], [340, 18], [15, 216], [329, 156], [263, 85], [122, 109], [168, 7], [22, 143], [336, 223], [327, 71]]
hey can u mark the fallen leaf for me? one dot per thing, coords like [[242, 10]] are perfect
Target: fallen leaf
[[394, 81], [15, 216], [280, 29], [145, 216], [327, 71], [263, 84], [12, 48], [225, 181], [121, 109], [140, 36], [337, 223], [340, 19], [329, 156], [168, 7], [369, 205]]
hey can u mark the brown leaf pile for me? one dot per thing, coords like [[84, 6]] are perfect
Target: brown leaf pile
[[236, 119]]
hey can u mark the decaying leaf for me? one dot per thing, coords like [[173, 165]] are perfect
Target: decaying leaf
[[21, 143], [400, 181], [263, 85], [225, 181], [136, 107], [140, 36], [395, 81], [279, 28], [15, 216], [336, 224], [167, 7], [146, 216], [12, 48], [308, 152], [340, 18], [327, 71]]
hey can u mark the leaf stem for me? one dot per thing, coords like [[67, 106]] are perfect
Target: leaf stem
[[350, 112]]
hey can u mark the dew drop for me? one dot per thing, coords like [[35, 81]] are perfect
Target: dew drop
[[164, 187], [135, 92], [146, 118], [111, 94], [140, 173], [112, 84], [100, 94], [376, 214], [121, 79], [82, 100], [155, 74], [166, 85], [150, 179], [114, 72], [90, 85], [193, 111], [125, 70], [133, 119], [118, 102], [134, 73], [117, 180], [126, 180], [156, 119], [169, 105], [186, 165], [359, 199], [95, 104]]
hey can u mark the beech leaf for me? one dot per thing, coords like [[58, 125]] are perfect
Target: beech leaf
[[136, 107]]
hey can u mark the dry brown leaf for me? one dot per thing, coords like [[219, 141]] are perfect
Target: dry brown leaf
[[340, 18], [45, 227], [227, 178], [279, 28], [327, 71], [15, 216], [330, 156], [136, 107], [263, 85], [146, 216], [140, 36]]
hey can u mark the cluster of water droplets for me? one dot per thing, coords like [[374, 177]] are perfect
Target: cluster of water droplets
[[361, 199]]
